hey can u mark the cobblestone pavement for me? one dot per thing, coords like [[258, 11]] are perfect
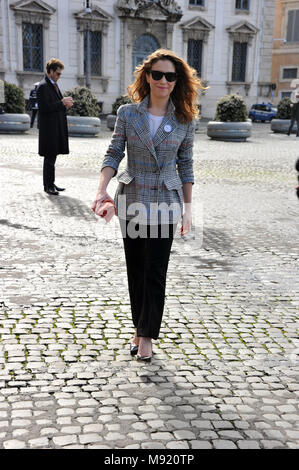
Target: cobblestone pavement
[[225, 369]]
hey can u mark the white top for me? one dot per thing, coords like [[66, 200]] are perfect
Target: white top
[[295, 96], [154, 123]]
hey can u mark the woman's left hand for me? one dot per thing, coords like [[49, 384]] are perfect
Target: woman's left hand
[[186, 223]]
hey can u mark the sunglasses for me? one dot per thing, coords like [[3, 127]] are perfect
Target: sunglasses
[[157, 75]]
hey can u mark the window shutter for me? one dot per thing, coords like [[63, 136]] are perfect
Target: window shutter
[[239, 62], [95, 52], [296, 26], [291, 31], [32, 47], [195, 54]]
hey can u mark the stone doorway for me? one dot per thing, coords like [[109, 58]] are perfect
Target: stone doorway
[[143, 46]]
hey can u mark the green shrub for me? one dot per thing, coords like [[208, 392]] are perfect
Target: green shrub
[[231, 108], [14, 99], [85, 102], [284, 109], [120, 101]]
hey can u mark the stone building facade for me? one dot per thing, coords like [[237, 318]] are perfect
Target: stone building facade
[[285, 63], [229, 42]]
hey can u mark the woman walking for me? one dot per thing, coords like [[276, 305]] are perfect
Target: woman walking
[[155, 189]]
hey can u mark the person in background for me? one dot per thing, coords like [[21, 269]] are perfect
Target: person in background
[[295, 114], [297, 168], [2, 96], [53, 131], [33, 104]]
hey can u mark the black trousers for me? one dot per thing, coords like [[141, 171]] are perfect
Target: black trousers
[[49, 171], [293, 119], [147, 262], [33, 115]]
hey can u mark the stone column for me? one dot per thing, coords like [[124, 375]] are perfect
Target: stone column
[[169, 35], [105, 57], [63, 32], [123, 28], [2, 13], [2, 96], [220, 39], [267, 27]]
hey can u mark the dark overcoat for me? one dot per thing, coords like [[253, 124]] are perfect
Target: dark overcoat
[[52, 122], [295, 111]]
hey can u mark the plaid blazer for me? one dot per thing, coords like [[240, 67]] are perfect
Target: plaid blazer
[[156, 169]]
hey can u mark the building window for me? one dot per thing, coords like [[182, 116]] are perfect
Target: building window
[[293, 26], [289, 73], [95, 52], [195, 54], [242, 5], [200, 3], [286, 94], [32, 47], [239, 62]]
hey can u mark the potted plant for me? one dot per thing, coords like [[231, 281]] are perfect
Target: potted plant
[[282, 121], [13, 120], [111, 118], [231, 121], [83, 117]]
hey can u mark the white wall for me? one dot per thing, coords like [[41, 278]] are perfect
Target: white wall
[[64, 44]]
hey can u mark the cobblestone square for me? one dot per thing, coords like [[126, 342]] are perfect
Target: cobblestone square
[[225, 369]]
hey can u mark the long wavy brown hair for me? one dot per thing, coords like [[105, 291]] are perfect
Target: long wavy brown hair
[[186, 91]]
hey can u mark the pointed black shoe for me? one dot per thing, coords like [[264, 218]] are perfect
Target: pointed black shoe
[[133, 349], [144, 358], [52, 191], [58, 189]]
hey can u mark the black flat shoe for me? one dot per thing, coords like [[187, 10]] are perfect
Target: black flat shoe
[[51, 191], [58, 189], [133, 349], [144, 358]]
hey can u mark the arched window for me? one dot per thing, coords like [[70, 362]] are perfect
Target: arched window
[[143, 46]]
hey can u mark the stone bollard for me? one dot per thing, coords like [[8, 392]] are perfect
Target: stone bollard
[[14, 123]]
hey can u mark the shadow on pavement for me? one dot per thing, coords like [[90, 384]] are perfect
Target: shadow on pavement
[[72, 207]]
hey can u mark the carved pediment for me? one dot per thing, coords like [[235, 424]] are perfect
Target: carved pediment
[[32, 11], [198, 23], [152, 12], [32, 6], [242, 32], [97, 14], [161, 10], [97, 20], [197, 28], [243, 28]]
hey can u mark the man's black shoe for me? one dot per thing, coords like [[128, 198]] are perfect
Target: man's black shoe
[[52, 191], [58, 189]]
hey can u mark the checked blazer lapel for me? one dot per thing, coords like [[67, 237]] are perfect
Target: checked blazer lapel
[[141, 126], [167, 126]]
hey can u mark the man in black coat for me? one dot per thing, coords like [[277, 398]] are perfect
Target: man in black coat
[[295, 115], [297, 168], [52, 122]]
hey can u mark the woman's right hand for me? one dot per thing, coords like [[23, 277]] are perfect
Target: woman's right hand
[[101, 196]]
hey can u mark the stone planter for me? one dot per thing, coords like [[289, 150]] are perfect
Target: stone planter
[[81, 126], [282, 125], [229, 131], [111, 118], [14, 123]]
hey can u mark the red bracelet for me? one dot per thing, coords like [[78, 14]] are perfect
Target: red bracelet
[[107, 200]]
